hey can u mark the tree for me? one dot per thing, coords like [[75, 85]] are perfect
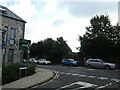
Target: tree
[[101, 39], [34, 50], [51, 49]]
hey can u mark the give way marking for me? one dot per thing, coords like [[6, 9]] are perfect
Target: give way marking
[[80, 85]]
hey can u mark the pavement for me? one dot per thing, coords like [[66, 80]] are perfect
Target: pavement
[[41, 76]]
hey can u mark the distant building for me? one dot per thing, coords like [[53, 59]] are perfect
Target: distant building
[[12, 28]]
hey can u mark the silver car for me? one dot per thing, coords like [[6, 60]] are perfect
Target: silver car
[[98, 63]]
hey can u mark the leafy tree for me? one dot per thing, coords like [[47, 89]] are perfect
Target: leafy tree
[[34, 50], [51, 49], [101, 39]]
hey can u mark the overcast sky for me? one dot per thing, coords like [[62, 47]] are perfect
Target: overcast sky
[[60, 18]]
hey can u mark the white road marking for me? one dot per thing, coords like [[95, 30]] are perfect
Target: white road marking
[[104, 86], [82, 75], [116, 80], [91, 69], [91, 76], [102, 78], [75, 74], [61, 72], [68, 73], [83, 84]]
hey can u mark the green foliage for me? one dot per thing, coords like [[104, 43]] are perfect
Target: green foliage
[[101, 40], [31, 69], [11, 72], [53, 50]]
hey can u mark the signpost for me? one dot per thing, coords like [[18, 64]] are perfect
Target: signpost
[[25, 45]]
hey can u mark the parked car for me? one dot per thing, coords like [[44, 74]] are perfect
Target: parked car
[[70, 62], [44, 61], [99, 63], [33, 60]]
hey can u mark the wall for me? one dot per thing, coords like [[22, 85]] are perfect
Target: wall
[[19, 26]]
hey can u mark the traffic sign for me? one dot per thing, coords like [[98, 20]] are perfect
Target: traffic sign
[[24, 44]]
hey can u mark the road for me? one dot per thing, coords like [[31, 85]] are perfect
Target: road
[[80, 78]]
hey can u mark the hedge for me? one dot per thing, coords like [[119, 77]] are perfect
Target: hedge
[[11, 72]]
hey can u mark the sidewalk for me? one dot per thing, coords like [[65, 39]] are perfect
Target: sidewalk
[[41, 76]]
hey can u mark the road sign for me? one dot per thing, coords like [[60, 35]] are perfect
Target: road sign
[[24, 44]]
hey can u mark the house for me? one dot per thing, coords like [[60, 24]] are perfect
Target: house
[[12, 28]]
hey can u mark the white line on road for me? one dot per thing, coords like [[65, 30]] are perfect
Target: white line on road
[[91, 69], [81, 85], [102, 78], [68, 73], [61, 72], [104, 86], [82, 75], [91, 76], [116, 80], [75, 74]]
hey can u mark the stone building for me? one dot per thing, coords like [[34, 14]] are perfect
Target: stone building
[[12, 28]]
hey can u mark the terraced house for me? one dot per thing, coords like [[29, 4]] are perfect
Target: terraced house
[[12, 28]]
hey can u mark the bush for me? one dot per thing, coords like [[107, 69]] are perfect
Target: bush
[[31, 69], [11, 72]]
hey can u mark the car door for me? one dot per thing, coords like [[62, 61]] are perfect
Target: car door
[[67, 62], [99, 64], [93, 63]]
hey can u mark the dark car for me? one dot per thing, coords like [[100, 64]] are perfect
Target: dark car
[[70, 62]]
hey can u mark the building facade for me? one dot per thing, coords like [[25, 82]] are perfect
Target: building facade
[[12, 28]]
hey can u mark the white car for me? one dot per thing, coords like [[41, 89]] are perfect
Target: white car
[[33, 60], [98, 63], [44, 61]]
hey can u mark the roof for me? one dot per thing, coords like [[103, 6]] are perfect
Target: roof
[[7, 13]]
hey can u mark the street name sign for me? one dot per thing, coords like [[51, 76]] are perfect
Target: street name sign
[[24, 44]]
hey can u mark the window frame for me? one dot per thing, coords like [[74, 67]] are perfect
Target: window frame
[[12, 36]]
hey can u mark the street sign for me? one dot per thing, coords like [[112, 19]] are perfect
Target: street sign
[[24, 44]]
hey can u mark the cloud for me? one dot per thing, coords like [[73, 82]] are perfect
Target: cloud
[[57, 22], [86, 9], [47, 19]]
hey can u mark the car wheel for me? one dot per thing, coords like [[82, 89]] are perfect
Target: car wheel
[[44, 63], [107, 67], [89, 66]]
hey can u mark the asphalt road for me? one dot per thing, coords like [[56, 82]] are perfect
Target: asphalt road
[[80, 78]]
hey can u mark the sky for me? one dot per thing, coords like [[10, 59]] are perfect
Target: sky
[[60, 18]]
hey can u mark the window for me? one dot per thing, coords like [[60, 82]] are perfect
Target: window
[[10, 55], [6, 33], [12, 36]]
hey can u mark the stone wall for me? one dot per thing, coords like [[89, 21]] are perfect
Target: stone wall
[[19, 27]]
